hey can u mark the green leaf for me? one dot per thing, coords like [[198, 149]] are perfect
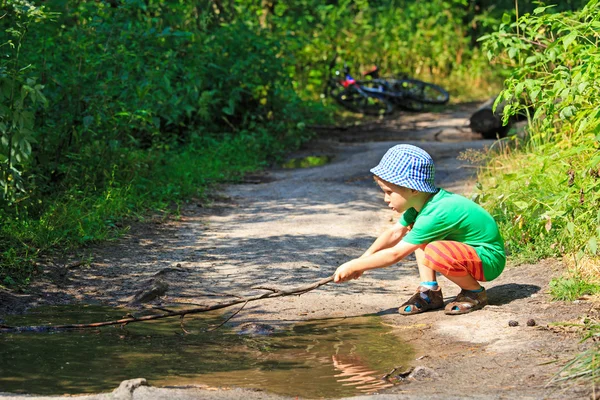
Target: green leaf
[[531, 59], [87, 121], [521, 205], [593, 245], [594, 162], [519, 88], [533, 94], [582, 86], [567, 112], [571, 228], [230, 109], [569, 39]]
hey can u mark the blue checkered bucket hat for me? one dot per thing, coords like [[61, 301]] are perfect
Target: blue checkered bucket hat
[[408, 166]]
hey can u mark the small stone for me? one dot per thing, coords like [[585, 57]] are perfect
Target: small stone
[[255, 329], [513, 323], [531, 322], [421, 373]]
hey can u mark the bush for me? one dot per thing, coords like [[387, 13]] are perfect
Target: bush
[[544, 190]]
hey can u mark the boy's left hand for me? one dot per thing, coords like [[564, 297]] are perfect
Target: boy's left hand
[[346, 272]]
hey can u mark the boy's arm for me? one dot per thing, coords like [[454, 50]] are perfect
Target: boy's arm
[[387, 239], [383, 258]]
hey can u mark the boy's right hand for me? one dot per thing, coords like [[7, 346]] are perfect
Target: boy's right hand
[[346, 272]]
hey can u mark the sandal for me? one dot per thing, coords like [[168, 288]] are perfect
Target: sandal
[[467, 301], [423, 301]]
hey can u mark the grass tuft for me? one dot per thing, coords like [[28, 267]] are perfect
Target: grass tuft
[[572, 288]]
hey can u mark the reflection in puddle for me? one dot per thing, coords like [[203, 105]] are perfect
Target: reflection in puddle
[[354, 373], [325, 358]]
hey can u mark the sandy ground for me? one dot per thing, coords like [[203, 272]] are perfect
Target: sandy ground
[[286, 228]]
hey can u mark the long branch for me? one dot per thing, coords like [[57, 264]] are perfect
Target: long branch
[[131, 319]]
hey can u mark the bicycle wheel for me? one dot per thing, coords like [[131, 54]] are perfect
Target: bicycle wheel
[[397, 98], [420, 91], [364, 99], [408, 104]]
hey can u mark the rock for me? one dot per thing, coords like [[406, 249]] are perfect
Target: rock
[[513, 323], [126, 389], [156, 289], [421, 373], [252, 328], [531, 322], [487, 121]]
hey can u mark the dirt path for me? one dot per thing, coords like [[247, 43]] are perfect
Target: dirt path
[[291, 227]]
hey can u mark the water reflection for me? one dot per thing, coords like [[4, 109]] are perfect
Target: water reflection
[[354, 373]]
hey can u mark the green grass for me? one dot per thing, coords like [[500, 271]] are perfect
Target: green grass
[[143, 183], [572, 288], [585, 367]]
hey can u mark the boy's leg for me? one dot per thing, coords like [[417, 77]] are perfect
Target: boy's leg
[[460, 264], [425, 273], [429, 295]]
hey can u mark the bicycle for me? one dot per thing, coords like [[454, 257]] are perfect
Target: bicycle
[[365, 97], [412, 89], [381, 96]]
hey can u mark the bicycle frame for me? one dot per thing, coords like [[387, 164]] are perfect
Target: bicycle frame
[[348, 81]]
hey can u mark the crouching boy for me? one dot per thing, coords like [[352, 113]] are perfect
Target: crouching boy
[[448, 233]]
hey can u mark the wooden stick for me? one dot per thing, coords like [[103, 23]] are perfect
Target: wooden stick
[[227, 320], [131, 319]]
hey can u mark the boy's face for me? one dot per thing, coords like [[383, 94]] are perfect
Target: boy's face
[[398, 198]]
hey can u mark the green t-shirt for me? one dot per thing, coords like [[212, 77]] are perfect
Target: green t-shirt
[[449, 216]]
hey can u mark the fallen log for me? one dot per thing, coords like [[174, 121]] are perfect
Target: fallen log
[[170, 313]]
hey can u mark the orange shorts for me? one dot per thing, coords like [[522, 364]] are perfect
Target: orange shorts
[[453, 259]]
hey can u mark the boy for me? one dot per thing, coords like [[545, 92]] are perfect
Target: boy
[[448, 233]]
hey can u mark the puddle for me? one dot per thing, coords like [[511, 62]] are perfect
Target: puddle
[[307, 162], [337, 357]]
